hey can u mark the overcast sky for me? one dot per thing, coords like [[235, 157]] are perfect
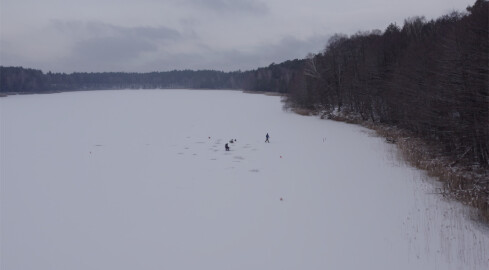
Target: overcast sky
[[161, 35]]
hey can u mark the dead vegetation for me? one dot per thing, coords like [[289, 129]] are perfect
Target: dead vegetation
[[263, 93], [305, 112]]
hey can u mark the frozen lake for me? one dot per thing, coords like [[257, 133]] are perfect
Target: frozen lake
[[141, 180]]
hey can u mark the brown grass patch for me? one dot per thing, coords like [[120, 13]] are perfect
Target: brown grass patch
[[264, 93], [304, 112]]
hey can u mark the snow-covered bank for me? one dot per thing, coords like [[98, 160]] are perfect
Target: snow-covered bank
[[140, 179]]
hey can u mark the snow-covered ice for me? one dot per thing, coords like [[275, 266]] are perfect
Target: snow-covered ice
[[141, 180]]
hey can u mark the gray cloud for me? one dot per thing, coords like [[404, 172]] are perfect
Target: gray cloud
[[102, 47], [113, 49], [234, 6], [161, 33], [151, 35], [231, 60], [107, 47], [103, 29]]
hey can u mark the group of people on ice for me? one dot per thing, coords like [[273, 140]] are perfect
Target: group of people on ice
[[226, 146]]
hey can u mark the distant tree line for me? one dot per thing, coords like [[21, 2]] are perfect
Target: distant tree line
[[274, 78], [21, 80], [428, 77]]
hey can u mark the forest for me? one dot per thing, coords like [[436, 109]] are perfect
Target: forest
[[426, 82], [274, 78], [428, 77]]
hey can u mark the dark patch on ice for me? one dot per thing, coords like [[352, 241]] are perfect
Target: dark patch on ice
[[255, 170], [213, 158], [194, 154], [200, 142], [239, 157], [98, 145], [180, 153], [186, 147]]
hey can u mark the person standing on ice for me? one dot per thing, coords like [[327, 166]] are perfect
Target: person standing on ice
[[267, 138], [226, 147]]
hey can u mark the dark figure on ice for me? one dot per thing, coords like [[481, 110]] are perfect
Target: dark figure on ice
[[267, 138], [227, 147]]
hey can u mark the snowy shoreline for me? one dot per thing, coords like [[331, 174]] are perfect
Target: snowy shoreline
[[463, 183]]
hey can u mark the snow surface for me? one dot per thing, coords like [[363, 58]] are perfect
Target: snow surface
[[140, 180]]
